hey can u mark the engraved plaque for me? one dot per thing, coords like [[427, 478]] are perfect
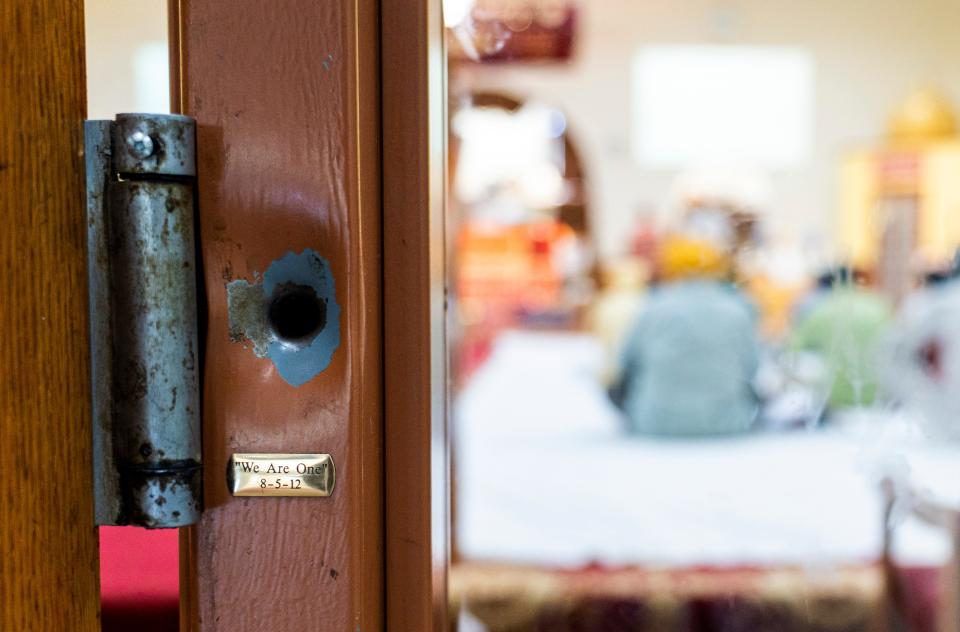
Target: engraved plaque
[[281, 475]]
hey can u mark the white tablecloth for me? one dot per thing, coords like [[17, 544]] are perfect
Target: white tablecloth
[[547, 476]]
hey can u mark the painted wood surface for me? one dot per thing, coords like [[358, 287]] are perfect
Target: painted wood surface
[[48, 544], [416, 438], [286, 99]]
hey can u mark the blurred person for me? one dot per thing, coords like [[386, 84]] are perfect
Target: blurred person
[[820, 290], [934, 283], [724, 204], [844, 323], [689, 361], [923, 367]]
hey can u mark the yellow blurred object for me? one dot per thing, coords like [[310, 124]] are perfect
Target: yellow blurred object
[[685, 258], [775, 302], [899, 201], [925, 115], [858, 224], [615, 309], [630, 273]]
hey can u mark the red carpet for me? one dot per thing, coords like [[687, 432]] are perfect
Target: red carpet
[[139, 581]]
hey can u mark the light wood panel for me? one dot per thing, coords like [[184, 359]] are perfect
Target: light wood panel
[[48, 544], [286, 99]]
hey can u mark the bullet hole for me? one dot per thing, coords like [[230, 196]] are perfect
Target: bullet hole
[[296, 314]]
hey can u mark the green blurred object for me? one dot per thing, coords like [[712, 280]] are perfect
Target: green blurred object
[[845, 327]]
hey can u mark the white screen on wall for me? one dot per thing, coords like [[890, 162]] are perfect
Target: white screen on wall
[[722, 104]]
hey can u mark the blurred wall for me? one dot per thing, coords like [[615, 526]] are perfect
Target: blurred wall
[[867, 55], [126, 43]]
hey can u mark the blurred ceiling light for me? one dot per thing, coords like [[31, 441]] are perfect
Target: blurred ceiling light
[[542, 186], [558, 124], [455, 12], [519, 151]]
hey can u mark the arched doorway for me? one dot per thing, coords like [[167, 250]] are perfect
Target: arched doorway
[[520, 216]]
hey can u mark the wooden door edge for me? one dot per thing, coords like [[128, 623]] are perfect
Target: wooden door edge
[[49, 563], [413, 92], [363, 123], [413, 177], [365, 119]]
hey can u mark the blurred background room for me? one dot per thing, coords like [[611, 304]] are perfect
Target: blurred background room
[[704, 331]]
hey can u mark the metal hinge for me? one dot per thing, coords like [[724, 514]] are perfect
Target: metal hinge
[[141, 173]]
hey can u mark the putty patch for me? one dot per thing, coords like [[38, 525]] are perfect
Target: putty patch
[[248, 307]]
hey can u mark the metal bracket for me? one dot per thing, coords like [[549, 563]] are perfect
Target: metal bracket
[[142, 276]]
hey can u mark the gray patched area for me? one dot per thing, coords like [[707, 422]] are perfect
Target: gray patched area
[[246, 307]]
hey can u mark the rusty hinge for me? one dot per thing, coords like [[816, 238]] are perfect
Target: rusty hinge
[[141, 173]]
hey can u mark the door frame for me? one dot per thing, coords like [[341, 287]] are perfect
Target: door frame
[[287, 104], [406, 60], [414, 464], [416, 436]]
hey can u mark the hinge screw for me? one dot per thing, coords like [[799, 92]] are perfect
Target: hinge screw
[[140, 145]]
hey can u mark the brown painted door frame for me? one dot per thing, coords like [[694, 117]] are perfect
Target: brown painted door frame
[[286, 98], [417, 454], [48, 544], [321, 125]]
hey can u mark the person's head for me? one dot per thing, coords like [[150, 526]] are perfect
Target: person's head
[[943, 273], [841, 276], [682, 258], [936, 277]]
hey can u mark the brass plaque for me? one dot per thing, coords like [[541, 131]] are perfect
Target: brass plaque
[[281, 475]]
